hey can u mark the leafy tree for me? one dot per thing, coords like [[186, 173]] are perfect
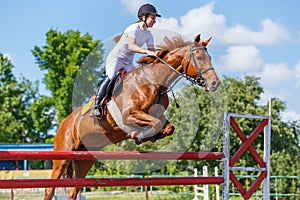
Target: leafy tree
[[65, 57], [235, 96], [285, 151], [17, 121], [239, 96]]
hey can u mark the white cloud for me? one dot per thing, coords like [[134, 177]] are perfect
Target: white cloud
[[203, 20], [270, 33], [241, 58], [169, 24], [290, 116], [133, 5], [285, 95], [198, 20], [275, 74], [297, 74], [265, 97], [280, 93]]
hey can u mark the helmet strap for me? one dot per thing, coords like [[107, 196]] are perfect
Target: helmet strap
[[145, 21]]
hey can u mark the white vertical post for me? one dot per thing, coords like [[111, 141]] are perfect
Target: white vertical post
[[217, 186], [205, 186], [226, 151], [195, 186], [267, 149]]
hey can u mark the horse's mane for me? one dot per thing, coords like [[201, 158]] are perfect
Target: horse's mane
[[170, 44], [174, 43], [117, 38]]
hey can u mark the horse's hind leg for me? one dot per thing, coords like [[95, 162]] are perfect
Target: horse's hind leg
[[168, 129], [81, 168], [59, 168]]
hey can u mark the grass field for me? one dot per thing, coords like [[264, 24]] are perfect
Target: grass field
[[120, 197], [140, 197], [112, 197]]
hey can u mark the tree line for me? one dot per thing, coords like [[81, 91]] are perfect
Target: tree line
[[26, 116]]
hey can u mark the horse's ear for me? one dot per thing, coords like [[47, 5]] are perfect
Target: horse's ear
[[205, 43], [197, 38]]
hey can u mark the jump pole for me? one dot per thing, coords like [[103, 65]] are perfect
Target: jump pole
[[98, 155], [101, 182]]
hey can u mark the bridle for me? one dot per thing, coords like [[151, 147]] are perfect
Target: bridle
[[199, 80]]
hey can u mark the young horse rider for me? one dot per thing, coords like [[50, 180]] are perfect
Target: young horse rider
[[121, 56]]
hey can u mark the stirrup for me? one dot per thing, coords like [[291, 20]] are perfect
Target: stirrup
[[95, 113]]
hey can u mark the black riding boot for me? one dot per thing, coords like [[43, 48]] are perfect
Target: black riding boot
[[100, 94]]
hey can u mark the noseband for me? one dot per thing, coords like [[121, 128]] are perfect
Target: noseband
[[200, 80]]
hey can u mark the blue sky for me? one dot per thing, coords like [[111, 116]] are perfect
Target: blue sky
[[258, 38]]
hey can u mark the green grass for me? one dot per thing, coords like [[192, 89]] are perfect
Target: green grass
[[123, 197], [141, 197], [117, 197], [151, 197], [137, 196]]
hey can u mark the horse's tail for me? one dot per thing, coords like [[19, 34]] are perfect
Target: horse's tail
[[70, 170], [68, 173]]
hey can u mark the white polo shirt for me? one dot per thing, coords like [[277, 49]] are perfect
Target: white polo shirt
[[121, 57]]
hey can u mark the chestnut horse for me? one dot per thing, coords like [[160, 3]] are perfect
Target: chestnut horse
[[142, 93]]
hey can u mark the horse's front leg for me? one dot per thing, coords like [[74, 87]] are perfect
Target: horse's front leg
[[167, 130], [141, 119]]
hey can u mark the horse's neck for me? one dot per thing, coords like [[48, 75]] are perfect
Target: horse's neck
[[159, 74], [174, 61]]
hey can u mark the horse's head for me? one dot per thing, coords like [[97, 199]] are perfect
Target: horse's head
[[188, 58], [196, 64]]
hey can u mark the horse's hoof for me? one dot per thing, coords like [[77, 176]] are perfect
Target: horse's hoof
[[169, 130]]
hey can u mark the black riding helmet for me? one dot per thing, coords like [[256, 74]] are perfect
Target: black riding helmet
[[147, 9]]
